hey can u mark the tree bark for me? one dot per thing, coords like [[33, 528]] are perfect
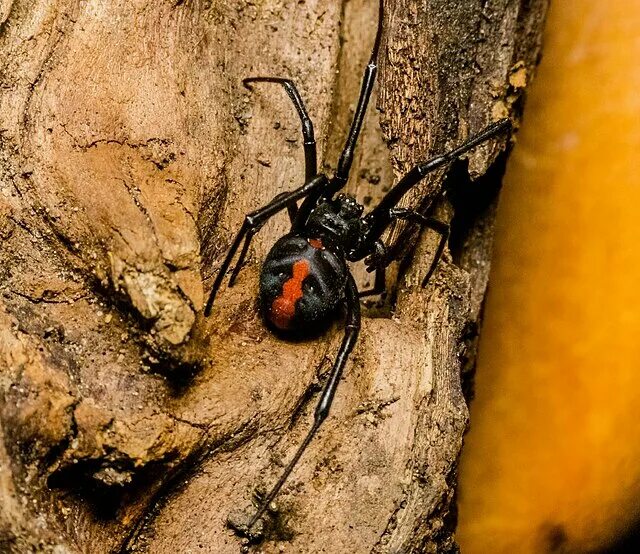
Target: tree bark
[[130, 153]]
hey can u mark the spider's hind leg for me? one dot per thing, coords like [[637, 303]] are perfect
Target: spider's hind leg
[[351, 331]]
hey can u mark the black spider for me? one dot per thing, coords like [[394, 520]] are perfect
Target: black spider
[[305, 276]]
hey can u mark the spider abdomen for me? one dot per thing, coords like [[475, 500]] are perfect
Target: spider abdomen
[[301, 284]]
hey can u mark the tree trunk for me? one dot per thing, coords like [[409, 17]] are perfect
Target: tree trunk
[[130, 153]]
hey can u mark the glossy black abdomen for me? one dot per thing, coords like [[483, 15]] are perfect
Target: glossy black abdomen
[[301, 284]]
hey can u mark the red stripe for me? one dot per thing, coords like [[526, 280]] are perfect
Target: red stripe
[[283, 308]]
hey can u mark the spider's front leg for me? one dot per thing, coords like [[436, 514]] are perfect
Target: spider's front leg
[[310, 154], [380, 259], [377, 262], [440, 227], [251, 225], [386, 212]]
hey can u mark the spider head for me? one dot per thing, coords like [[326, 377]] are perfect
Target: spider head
[[337, 222], [347, 207]]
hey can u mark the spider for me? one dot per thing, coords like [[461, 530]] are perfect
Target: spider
[[305, 277]]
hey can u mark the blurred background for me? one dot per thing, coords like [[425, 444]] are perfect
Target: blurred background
[[551, 463]]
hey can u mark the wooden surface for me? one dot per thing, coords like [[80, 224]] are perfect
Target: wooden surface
[[130, 153], [551, 461]]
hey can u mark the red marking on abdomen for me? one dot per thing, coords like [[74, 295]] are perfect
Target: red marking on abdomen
[[283, 308], [316, 243]]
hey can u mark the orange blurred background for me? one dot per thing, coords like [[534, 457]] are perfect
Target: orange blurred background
[[552, 461]]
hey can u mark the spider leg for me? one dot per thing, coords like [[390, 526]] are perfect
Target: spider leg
[[352, 328], [380, 259], [310, 154], [436, 225], [243, 254], [379, 262], [379, 283], [381, 216], [252, 223], [368, 80], [292, 211]]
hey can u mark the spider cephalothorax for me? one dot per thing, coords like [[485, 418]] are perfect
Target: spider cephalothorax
[[305, 277], [337, 222]]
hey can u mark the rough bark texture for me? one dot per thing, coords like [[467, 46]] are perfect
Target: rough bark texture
[[129, 153]]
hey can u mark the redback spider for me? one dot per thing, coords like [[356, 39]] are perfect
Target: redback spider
[[305, 277]]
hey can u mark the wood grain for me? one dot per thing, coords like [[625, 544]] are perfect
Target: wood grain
[[130, 153]]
